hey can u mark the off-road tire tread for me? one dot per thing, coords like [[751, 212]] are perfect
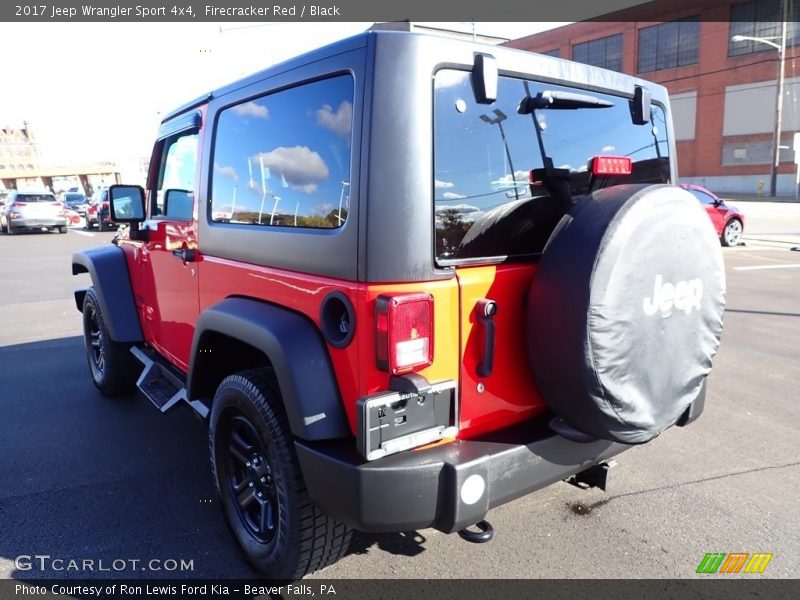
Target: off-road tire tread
[[322, 539], [121, 367]]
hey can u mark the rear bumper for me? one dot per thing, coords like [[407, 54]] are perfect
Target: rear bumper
[[38, 223], [419, 489]]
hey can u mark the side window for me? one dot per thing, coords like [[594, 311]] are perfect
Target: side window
[[284, 159], [174, 197], [702, 196]]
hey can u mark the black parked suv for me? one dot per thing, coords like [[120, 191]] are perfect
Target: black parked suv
[[407, 279]]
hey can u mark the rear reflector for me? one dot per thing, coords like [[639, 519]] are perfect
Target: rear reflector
[[611, 165], [404, 332]]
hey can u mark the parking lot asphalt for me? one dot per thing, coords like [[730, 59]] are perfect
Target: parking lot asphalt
[[84, 477]]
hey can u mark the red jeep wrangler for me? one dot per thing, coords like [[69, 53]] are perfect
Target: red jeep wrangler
[[407, 279]]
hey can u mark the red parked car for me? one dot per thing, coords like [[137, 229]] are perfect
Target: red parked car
[[727, 220], [97, 211]]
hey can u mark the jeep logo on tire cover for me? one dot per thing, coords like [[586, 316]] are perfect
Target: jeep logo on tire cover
[[684, 295]]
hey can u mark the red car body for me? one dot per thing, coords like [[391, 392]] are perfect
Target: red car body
[[728, 221], [99, 204]]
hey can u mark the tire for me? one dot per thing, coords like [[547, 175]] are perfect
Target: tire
[[9, 229], [281, 533], [625, 311], [62, 230], [87, 225], [113, 368], [100, 225], [732, 233]]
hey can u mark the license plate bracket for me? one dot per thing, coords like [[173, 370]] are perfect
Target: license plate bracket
[[393, 421]]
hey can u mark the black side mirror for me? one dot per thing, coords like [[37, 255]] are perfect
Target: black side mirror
[[179, 204], [127, 203]]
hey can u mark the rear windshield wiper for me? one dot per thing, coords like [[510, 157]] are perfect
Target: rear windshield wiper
[[551, 99]]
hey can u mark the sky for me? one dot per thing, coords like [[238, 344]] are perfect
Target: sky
[[95, 92]]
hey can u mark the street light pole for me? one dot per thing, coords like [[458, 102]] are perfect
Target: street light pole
[[776, 141], [500, 117], [776, 158]]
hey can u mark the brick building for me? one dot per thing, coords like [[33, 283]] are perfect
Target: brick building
[[723, 93]]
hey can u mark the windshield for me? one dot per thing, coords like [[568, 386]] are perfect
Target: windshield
[[485, 205], [35, 198]]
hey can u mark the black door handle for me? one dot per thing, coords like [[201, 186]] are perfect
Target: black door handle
[[485, 310], [186, 254]]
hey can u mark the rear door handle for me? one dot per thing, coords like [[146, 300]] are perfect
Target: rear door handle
[[485, 310]]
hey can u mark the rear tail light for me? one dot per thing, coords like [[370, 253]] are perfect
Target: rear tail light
[[610, 165], [404, 332], [56, 203], [18, 203]]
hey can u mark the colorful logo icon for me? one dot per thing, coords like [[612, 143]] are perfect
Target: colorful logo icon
[[735, 562]]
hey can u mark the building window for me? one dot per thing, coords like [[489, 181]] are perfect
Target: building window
[[555, 52], [762, 18], [605, 52], [669, 45], [284, 159]]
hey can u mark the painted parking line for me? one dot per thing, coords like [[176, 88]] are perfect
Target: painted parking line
[[764, 267], [79, 232]]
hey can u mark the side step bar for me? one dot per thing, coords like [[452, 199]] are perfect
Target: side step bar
[[161, 386]]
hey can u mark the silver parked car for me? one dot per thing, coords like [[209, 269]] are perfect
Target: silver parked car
[[32, 211]]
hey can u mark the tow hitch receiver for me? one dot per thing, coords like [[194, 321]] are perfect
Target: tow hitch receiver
[[596, 476]]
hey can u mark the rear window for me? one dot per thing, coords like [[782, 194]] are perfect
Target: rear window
[[35, 198], [74, 198], [485, 205]]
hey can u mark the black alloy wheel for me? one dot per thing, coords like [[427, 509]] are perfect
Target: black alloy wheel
[[97, 359], [250, 479]]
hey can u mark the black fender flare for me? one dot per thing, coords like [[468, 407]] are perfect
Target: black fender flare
[[111, 280], [294, 346]]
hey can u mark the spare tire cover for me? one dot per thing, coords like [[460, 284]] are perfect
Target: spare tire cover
[[625, 311]]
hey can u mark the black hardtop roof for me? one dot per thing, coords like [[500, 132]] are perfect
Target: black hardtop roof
[[362, 39], [351, 43]]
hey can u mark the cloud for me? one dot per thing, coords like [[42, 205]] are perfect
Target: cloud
[[608, 149], [227, 172], [301, 167], [321, 209], [520, 178], [340, 122], [461, 208], [452, 196], [467, 212], [251, 109], [444, 184]]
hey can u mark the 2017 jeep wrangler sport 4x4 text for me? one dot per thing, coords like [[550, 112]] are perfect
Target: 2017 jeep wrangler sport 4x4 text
[[407, 279]]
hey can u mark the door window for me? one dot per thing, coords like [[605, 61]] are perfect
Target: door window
[[175, 194]]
